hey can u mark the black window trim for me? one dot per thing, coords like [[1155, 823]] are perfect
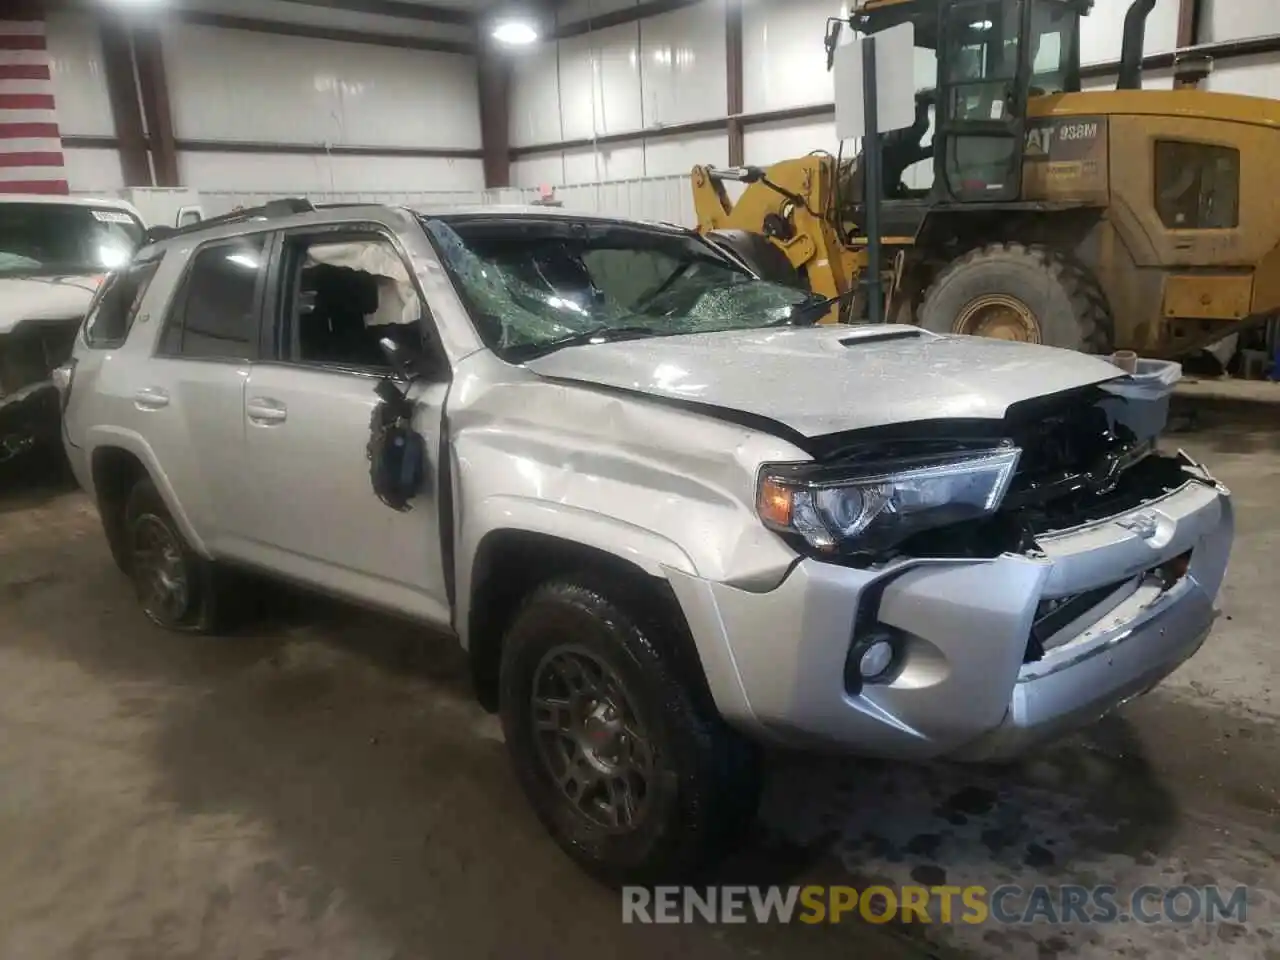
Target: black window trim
[[272, 351], [178, 300], [153, 262]]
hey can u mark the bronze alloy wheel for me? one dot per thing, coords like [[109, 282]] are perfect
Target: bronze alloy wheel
[[1000, 317], [590, 739]]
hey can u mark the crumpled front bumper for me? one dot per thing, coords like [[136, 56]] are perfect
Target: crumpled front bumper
[[775, 661], [29, 416]]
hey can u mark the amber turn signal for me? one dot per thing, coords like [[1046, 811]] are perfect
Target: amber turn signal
[[773, 501]]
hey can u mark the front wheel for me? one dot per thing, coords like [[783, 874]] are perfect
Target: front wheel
[[626, 766]]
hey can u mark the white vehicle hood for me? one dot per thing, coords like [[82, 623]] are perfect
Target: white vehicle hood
[[44, 298], [831, 379]]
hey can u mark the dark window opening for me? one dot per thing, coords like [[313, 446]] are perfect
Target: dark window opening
[[343, 297], [216, 313], [1197, 186]]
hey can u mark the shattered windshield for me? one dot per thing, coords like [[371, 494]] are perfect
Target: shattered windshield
[[44, 239], [536, 285]]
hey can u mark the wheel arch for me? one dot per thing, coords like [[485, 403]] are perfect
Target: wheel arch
[[119, 456], [509, 562]]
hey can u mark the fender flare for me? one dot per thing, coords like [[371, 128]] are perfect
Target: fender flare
[[650, 552], [107, 436]]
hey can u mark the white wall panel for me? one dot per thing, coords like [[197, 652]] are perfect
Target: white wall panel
[[770, 142], [600, 83], [93, 170], [535, 97], [294, 174], [237, 85], [538, 170], [1102, 31], [1238, 19], [1151, 80], [785, 63], [1253, 76], [683, 57], [617, 161], [673, 156], [78, 81]]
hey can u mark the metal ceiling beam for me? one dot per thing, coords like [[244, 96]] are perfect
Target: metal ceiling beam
[[736, 129], [122, 94], [494, 76], [153, 85], [422, 12], [615, 18], [287, 29]]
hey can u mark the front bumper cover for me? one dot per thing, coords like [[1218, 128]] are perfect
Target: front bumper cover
[[775, 661]]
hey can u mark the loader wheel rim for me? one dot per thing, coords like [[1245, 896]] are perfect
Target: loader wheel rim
[[1000, 317]]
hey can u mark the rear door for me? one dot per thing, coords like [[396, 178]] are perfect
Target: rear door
[[187, 400], [308, 403]]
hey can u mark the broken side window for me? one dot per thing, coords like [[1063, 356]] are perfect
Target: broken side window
[[115, 308], [342, 297]]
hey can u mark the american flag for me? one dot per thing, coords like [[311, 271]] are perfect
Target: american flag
[[30, 146]]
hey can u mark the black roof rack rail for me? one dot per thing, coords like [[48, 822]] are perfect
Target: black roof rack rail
[[286, 207]]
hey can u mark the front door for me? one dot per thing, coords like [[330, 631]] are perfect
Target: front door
[[312, 512]]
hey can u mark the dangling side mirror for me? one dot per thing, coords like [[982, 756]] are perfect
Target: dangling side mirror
[[400, 362]]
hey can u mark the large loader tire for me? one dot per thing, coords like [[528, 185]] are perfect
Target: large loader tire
[[1011, 291]]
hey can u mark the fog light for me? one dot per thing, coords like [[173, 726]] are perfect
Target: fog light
[[873, 658], [876, 659]]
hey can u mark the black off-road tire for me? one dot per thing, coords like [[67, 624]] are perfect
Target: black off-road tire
[[146, 520], [1069, 306], [707, 778]]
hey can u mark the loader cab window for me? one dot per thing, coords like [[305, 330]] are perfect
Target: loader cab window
[[1055, 48]]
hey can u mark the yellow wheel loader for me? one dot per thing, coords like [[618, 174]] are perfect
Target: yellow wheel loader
[[1121, 219]]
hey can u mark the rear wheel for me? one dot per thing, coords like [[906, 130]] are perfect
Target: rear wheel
[[627, 767], [1030, 294], [175, 586]]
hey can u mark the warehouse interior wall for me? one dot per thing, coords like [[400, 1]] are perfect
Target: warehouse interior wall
[[264, 112], [648, 98]]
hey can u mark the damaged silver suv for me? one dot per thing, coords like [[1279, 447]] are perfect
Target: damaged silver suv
[[669, 517]]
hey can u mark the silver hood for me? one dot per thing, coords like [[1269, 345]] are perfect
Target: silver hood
[[44, 298], [831, 379]]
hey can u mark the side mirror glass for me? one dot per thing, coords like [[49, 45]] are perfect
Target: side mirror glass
[[398, 357]]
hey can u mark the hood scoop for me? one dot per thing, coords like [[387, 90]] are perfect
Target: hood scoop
[[880, 335]]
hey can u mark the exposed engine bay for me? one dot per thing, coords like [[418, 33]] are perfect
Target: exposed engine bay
[[29, 353], [1080, 463]]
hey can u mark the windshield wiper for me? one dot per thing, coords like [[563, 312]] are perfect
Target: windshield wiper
[[809, 312], [531, 351]]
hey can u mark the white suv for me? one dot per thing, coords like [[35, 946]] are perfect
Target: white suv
[[667, 514]]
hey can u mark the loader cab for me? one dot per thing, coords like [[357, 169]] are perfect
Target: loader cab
[[990, 57]]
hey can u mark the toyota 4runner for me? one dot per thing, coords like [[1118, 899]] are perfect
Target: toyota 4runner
[[668, 516]]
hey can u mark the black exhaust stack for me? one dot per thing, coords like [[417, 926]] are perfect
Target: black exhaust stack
[[1135, 34]]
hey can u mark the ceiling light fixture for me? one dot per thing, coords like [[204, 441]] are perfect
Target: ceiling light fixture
[[517, 33]]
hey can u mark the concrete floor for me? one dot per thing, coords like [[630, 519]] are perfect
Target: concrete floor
[[323, 786]]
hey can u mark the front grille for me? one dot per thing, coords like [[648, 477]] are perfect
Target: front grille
[[33, 350]]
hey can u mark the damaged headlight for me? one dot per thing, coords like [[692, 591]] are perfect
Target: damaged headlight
[[872, 507]]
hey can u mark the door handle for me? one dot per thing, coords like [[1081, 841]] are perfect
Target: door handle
[[151, 398], [264, 410]]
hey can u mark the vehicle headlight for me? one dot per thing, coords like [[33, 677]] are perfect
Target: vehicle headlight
[[875, 506]]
